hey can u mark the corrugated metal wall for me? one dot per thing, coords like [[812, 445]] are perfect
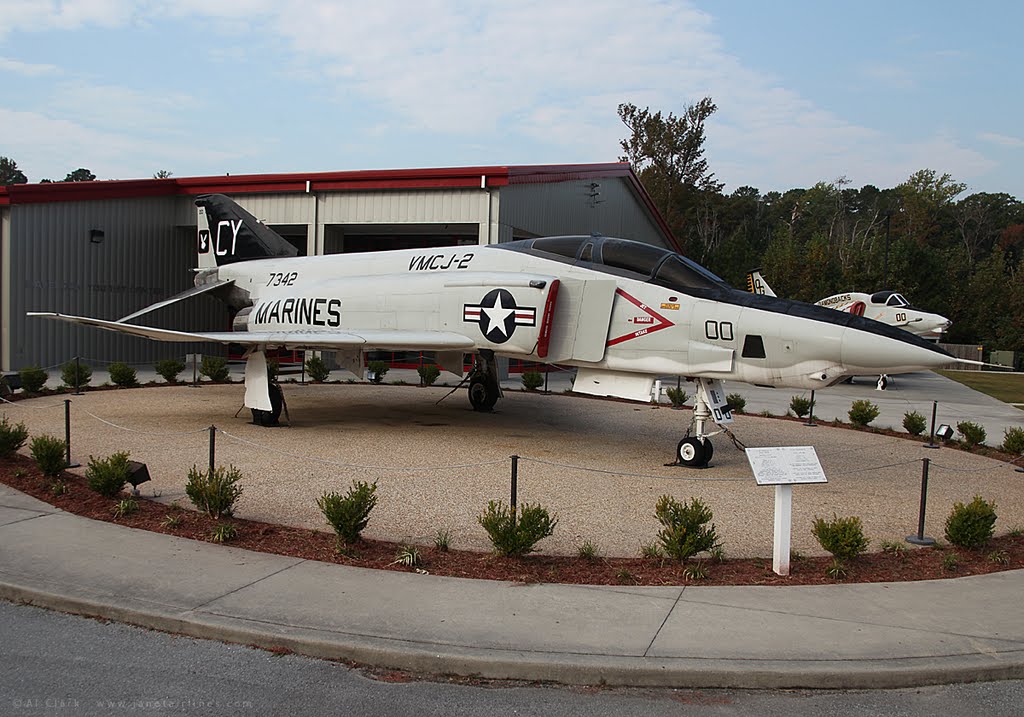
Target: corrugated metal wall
[[145, 255], [606, 206], [403, 207]]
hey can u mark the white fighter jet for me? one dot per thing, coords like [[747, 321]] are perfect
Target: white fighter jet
[[623, 312], [888, 307]]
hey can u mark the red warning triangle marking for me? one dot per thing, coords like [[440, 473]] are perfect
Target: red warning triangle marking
[[660, 322]]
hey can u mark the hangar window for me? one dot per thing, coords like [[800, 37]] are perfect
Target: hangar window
[[753, 347]]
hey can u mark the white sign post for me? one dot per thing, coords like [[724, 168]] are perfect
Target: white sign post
[[783, 467]]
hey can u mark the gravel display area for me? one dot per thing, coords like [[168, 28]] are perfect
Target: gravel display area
[[599, 465]]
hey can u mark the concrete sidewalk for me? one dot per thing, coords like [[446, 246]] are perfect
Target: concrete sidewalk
[[848, 636]]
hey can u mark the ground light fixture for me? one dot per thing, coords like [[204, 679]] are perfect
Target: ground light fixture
[[944, 431]]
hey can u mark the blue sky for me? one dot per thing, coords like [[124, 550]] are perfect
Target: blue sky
[[807, 91]]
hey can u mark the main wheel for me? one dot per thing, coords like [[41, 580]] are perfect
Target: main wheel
[[483, 394], [694, 453]]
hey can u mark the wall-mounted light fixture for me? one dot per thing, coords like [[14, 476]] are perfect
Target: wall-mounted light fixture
[[96, 236]]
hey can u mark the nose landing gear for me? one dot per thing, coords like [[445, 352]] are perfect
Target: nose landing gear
[[709, 404]]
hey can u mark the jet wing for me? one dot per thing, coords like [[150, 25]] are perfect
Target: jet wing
[[318, 340], [187, 294]]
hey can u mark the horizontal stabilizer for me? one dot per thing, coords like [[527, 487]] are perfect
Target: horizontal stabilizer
[[384, 339], [187, 294]]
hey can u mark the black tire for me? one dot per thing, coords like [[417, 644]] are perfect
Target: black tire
[[270, 418], [693, 453], [482, 394], [709, 450]]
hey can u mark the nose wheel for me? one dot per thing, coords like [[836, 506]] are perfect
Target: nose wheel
[[695, 452]]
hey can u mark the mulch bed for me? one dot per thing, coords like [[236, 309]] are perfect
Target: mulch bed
[[21, 473]]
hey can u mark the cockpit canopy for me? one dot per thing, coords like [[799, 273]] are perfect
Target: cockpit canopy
[[619, 256], [889, 298]]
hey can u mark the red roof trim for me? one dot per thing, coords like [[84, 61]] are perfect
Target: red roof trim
[[376, 179]]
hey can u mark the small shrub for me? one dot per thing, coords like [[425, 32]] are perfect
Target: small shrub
[[107, 476], [428, 374], [123, 375], [59, 487], [442, 539], [950, 562], [377, 370], [515, 534], [795, 555], [973, 433], [677, 396], [843, 537], [862, 412], [1016, 532], [718, 554], [532, 380], [171, 521], [800, 406], [1013, 440], [215, 368], [999, 557], [697, 571], [685, 532], [317, 369], [587, 550], [737, 404], [223, 533], [348, 514], [49, 454], [625, 577], [168, 369], [214, 492], [914, 423], [75, 374], [836, 569], [125, 507], [897, 550], [12, 436], [407, 555], [651, 551], [33, 379], [971, 525]]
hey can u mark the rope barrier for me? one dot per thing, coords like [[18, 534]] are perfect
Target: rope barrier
[[626, 475], [972, 470], [135, 430], [34, 408], [336, 464], [878, 468]]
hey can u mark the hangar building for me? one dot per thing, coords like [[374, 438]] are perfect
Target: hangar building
[[108, 248]]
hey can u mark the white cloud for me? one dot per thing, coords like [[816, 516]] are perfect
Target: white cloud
[[36, 15], [27, 69], [1002, 140], [49, 148], [121, 109]]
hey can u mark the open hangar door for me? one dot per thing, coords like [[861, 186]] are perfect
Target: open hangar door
[[352, 238]]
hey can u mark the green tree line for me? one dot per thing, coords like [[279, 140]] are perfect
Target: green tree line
[[956, 254]]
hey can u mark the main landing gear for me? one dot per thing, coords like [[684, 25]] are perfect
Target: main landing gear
[[484, 390], [709, 405]]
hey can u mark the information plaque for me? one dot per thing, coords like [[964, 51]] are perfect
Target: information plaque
[[785, 465]]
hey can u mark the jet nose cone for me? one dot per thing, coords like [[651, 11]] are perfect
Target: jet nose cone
[[870, 352]]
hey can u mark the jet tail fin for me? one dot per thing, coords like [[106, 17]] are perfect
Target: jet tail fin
[[228, 233], [756, 283]]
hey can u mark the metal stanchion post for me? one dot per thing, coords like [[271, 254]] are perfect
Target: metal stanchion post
[[67, 435], [547, 370], [515, 482], [921, 538], [213, 444], [931, 439], [810, 415]]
